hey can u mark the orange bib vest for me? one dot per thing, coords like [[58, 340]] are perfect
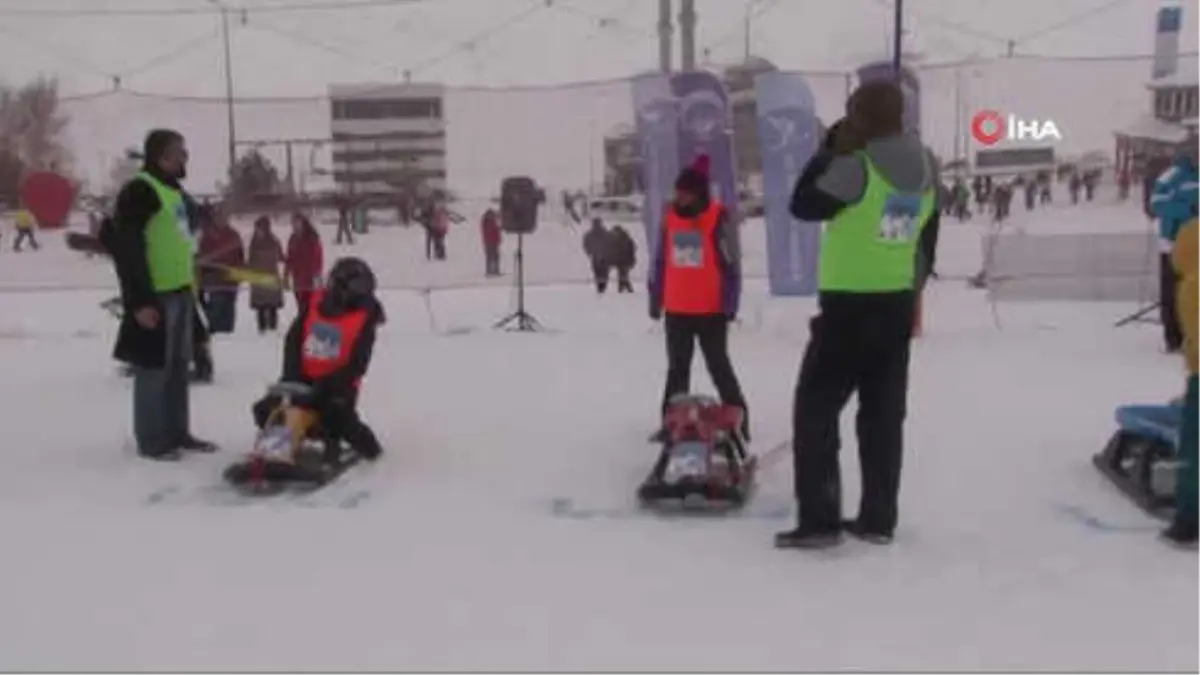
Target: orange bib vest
[[327, 343], [692, 280]]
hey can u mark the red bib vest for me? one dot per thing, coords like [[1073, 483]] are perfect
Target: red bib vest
[[328, 342], [692, 282]]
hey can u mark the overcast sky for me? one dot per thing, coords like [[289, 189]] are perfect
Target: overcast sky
[[300, 52], [554, 134]]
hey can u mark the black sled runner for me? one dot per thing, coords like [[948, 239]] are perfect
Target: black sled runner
[[704, 464], [1142, 457], [290, 453]]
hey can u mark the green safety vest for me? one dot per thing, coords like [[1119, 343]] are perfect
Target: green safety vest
[[168, 241], [871, 246]]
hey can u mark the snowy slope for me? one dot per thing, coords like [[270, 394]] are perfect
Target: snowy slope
[[497, 534]]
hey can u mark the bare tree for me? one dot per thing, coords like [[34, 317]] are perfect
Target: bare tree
[[32, 134]]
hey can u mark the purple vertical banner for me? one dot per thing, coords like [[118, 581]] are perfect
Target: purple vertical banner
[[910, 84], [704, 129], [788, 134], [657, 114]]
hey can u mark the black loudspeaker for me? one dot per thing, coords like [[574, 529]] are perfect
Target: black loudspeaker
[[518, 205]]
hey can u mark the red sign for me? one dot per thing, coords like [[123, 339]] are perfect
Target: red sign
[[49, 198]]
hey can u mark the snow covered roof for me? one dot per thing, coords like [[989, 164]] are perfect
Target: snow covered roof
[[1152, 128]]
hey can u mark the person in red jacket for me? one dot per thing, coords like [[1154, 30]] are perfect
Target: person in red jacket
[[305, 259], [695, 286], [329, 347], [220, 246], [490, 229]]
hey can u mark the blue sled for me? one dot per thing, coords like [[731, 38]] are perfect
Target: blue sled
[[1141, 458], [1160, 422]]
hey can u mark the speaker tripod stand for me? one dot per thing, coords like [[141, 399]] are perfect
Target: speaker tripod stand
[[520, 321]]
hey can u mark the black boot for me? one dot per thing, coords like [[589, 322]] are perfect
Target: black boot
[[808, 538], [871, 535], [1181, 534]]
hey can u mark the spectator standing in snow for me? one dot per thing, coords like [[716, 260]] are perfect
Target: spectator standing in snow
[[305, 259], [220, 247], [345, 209], [1173, 202], [25, 225], [623, 256], [266, 256], [440, 224], [489, 227], [595, 247], [152, 252], [875, 187], [1184, 257]]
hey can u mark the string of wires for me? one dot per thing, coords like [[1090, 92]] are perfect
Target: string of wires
[[89, 10]]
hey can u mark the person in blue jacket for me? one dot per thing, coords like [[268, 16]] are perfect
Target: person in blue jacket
[[1173, 203]]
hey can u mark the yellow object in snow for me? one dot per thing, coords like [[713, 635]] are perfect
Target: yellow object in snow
[[1187, 295], [24, 220]]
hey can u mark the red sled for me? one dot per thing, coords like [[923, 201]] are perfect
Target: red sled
[[704, 460]]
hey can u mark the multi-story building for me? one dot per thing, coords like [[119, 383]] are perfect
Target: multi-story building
[[388, 138], [1170, 124]]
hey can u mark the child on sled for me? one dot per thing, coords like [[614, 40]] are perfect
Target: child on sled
[[328, 348]]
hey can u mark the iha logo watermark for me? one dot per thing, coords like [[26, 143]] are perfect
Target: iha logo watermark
[[989, 127]]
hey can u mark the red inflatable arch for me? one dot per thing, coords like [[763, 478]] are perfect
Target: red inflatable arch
[[49, 198]]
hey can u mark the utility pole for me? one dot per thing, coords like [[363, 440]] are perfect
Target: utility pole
[[746, 29], [665, 29], [897, 38], [687, 35], [232, 123]]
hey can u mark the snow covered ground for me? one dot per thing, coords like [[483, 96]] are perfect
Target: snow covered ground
[[499, 532]]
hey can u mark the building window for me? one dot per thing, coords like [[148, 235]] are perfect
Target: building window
[[1190, 103], [1161, 99], [380, 109]]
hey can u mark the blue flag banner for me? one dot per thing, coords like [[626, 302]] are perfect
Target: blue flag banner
[[705, 129], [788, 134], [910, 84], [657, 115]]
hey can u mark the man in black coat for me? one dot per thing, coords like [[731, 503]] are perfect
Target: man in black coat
[[151, 246]]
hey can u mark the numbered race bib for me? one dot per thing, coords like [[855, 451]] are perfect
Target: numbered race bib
[[324, 343], [687, 249], [276, 443], [899, 222], [688, 460]]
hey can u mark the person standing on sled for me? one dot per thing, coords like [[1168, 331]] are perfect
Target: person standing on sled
[[695, 286], [329, 348], [876, 189], [1182, 531]]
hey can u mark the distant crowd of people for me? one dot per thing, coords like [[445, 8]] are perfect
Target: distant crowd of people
[[994, 196]]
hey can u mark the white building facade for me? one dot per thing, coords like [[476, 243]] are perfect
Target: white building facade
[[387, 137]]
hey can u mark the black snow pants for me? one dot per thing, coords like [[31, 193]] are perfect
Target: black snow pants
[[712, 332], [858, 343], [1167, 281]]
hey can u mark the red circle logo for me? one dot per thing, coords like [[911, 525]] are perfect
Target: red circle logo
[[987, 126]]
